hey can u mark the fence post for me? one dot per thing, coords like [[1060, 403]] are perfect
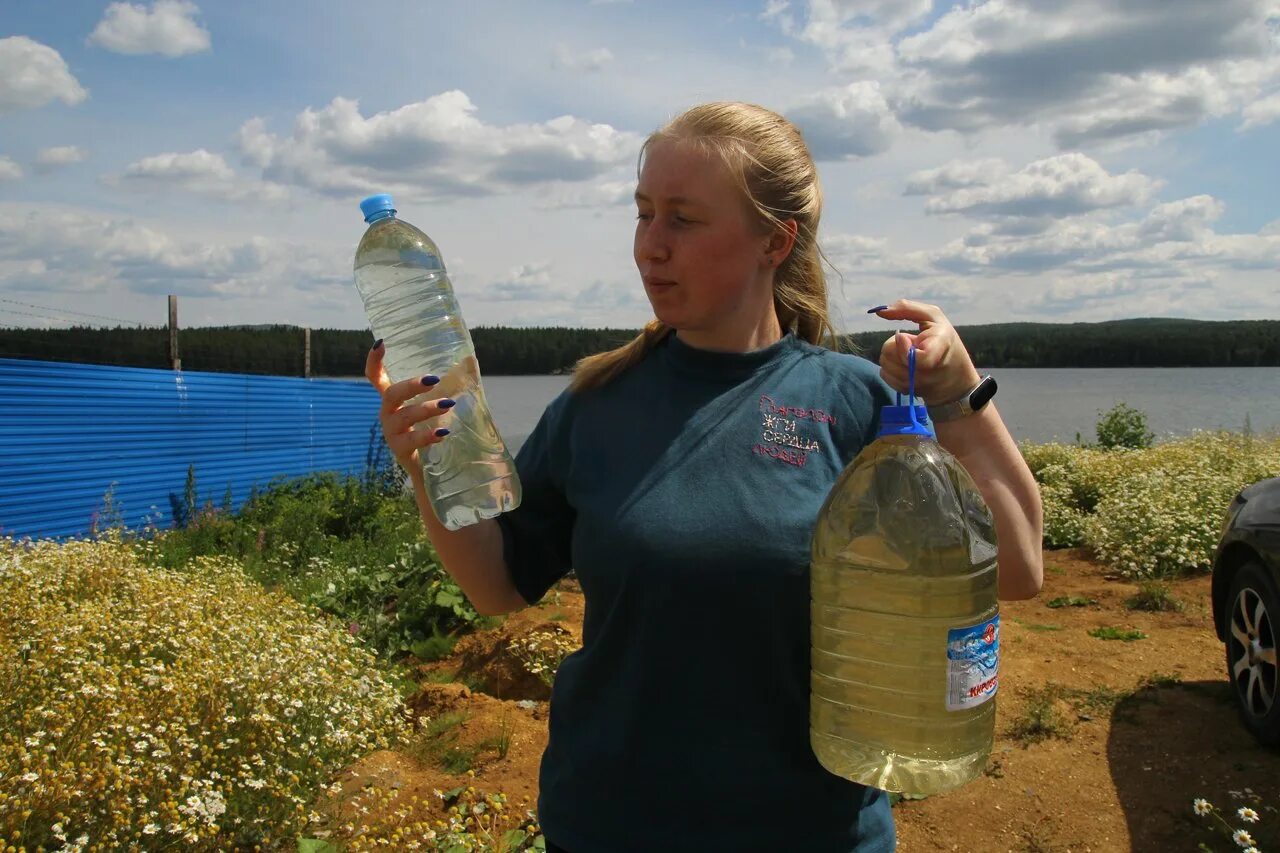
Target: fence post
[[306, 352], [175, 363]]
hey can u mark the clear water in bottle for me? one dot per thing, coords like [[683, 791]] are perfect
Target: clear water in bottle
[[410, 304], [905, 619]]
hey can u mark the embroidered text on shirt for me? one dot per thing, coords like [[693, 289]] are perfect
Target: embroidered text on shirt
[[780, 426]]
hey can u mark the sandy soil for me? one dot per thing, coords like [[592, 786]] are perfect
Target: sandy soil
[[1101, 744]]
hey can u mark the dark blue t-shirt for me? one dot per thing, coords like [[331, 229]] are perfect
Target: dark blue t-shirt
[[684, 495]]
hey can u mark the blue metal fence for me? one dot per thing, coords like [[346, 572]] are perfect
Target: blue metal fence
[[71, 432]]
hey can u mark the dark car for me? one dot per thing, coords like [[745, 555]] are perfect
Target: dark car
[[1246, 604]]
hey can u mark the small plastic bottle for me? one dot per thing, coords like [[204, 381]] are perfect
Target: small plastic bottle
[[905, 619], [410, 304]]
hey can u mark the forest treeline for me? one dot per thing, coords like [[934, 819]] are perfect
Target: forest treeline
[[278, 350]]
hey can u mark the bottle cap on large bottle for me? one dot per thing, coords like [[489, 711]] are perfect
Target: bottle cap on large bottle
[[911, 419], [377, 207]]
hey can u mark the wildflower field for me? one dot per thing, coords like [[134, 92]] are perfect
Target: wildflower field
[[1147, 511], [150, 708], [302, 675], [203, 688]]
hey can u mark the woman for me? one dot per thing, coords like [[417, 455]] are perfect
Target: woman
[[680, 477]]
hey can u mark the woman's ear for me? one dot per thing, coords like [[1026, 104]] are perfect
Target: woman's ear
[[781, 240]]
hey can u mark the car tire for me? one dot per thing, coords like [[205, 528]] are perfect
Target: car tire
[[1252, 623]]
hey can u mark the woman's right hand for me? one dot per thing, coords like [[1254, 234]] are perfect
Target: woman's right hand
[[398, 419]]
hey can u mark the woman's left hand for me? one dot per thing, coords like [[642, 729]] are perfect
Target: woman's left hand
[[944, 371]]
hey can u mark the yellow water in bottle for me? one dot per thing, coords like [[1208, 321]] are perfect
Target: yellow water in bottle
[[905, 620]]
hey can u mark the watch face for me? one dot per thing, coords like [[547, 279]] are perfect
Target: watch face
[[983, 393]]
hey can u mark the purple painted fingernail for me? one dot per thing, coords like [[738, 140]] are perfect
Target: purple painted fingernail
[[442, 432], [447, 404], [877, 309], [430, 380], [377, 343]]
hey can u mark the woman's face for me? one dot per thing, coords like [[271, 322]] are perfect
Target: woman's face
[[700, 251]]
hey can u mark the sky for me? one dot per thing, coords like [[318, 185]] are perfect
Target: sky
[[1007, 160]]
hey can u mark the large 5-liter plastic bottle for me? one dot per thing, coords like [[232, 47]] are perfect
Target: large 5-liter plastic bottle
[[410, 305], [906, 625]]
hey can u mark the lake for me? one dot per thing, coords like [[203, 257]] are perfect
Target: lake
[[1040, 404]]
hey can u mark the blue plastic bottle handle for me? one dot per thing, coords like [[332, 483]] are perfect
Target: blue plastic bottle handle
[[911, 389]]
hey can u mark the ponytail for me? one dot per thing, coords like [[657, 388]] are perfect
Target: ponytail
[[602, 368]]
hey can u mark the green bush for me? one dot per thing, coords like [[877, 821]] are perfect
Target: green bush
[[142, 708], [1123, 426], [354, 547]]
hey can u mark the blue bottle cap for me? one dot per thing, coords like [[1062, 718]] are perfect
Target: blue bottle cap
[[904, 420], [910, 419], [377, 207]]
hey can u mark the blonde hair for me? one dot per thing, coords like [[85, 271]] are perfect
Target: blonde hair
[[768, 157]]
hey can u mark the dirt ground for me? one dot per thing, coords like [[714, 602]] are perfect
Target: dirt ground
[[1101, 744]]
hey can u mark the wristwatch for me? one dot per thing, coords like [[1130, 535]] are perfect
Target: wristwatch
[[972, 401]]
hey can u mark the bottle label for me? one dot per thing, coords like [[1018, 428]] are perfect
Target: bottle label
[[973, 656]]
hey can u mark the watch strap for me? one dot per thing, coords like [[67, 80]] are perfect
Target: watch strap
[[972, 400]]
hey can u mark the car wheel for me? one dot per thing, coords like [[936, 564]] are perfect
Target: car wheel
[[1253, 624]]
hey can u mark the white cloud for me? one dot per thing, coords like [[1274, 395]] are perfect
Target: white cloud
[[1173, 241], [526, 282], [9, 170], [1181, 221], [564, 59], [201, 172], [892, 14], [437, 147], [1092, 70], [49, 159], [855, 35], [48, 249], [1170, 256], [1263, 111], [779, 11], [872, 256], [33, 74], [1078, 291], [1061, 186], [851, 121], [956, 175], [167, 28], [609, 297], [594, 195]]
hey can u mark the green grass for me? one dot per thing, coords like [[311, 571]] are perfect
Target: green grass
[[1035, 626], [1154, 597], [1126, 635], [434, 648], [1069, 601], [437, 744], [1162, 679], [440, 676], [501, 743], [1041, 719]]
